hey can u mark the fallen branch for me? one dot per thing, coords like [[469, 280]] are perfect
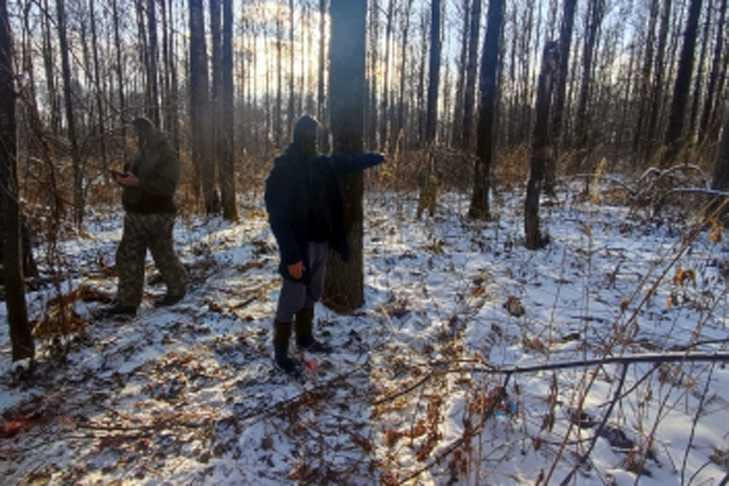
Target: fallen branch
[[624, 360]]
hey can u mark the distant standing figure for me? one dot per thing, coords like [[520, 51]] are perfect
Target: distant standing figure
[[304, 205], [149, 184]]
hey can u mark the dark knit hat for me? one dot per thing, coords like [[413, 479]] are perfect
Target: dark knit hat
[[305, 127]]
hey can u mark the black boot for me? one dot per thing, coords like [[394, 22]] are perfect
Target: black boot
[[168, 300], [304, 336], [117, 312], [281, 335]]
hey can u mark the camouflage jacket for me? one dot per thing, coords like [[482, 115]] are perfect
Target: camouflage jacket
[[158, 170]]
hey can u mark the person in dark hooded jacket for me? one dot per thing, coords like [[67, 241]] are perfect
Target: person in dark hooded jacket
[[304, 204]]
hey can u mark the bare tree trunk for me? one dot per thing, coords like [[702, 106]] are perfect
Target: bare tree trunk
[[715, 88], [403, 72], [278, 113], [457, 135], [119, 73], [593, 21], [50, 71], [421, 113], [153, 63], [216, 122], [698, 82], [674, 134], [98, 88], [78, 178], [292, 94], [646, 75], [471, 72], [431, 122], [541, 150], [374, 50], [173, 101], [384, 126], [200, 109], [657, 98], [721, 167], [344, 290], [480, 208], [20, 336], [322, 112], [227, 179], [565, 43]]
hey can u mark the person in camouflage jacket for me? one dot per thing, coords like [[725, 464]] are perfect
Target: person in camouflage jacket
[[149, 183]]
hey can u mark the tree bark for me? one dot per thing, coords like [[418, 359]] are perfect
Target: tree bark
[[153, 63], [292, 94], [399, 132], [78, 178], [431, 121], [674, 134], [17, 312], [480, 208], [385, 125], [227, 179], [200, 109], [344, 290], [471, 74], [541, 150], [98, 88], [660, 68], [457, 135], [699, 80], [711, 107]]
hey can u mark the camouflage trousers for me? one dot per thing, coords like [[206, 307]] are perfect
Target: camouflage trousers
[[142, 232]]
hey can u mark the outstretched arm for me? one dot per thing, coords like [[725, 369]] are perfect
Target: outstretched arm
[[349, 164]]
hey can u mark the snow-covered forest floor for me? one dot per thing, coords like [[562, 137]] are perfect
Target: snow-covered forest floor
[[189, 395]]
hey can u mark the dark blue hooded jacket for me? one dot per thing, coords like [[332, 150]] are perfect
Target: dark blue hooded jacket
[[304, 202]]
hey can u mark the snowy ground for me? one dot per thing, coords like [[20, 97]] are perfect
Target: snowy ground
[[189, 395]]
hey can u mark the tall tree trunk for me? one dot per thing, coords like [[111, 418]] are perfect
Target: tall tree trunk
[[480, 208], [216, 121], [699, 80], [715, 87], [200, 109], [422, 113], [344, 290], [593, 21], [541, 149], [292, 88], [457, 135], [322, 112], [17, 312], [373, 47], [384, 126], [153, 63], [431, 122], [674, 134], [173, 102], [472, 70], [50, 71], [227, 179], [277, 121], [98, 88], [119, 73], [78, 178], [657, 98], [646, 75], [403, 73], [721, 167]]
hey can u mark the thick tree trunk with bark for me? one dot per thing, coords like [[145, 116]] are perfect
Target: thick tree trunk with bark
[[200, 109], [153, 63], [541, 149], [565, 43], [711, 108], [431, 121], [471, 74], [344, 290], [17, 312], [674, 134], [78, 176], [457, 135], [486, 140], [227, 166]]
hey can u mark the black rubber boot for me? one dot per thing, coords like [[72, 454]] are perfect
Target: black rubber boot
[[281, 336], [117, 312], [304, 333], [168, 300]]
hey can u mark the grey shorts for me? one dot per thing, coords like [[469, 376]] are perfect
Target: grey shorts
[[297, 295]]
